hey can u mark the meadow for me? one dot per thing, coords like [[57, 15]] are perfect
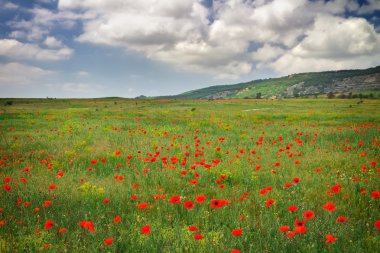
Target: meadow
[[124, 175]]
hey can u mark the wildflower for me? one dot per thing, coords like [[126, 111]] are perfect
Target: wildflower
[[193, 228], [49, 224], [308, 215], [108, 241], [198, 237], [330, 239], [145, 230], [377, 224], [375, 194], [175, 199], [237, 232], [341, 219], [284, 228], [270, 202], [117, 219], [329, 207], [189, 205], [142, 205]]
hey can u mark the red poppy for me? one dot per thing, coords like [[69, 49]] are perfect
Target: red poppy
[[217, 203], [296, 180], [284, 228], [237, 232], [287, 185], [308, 215], [330, 238], [49, 224], [377, 224], [193, 228], [106, 200], [62, 231], [291, 234], [52, 187], [235, 251], [142, 205], [189, 205], [341, 219], [145, 230], [175, 199], [7, 188], [198, 237], [117, 219], [270, 202], [300, 229], [299, 223], [329, 207], [375, 194], [108, 241]]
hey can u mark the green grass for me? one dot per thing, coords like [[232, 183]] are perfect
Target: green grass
[[233, 149]]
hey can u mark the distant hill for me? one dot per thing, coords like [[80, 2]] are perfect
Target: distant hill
[[297, 85]]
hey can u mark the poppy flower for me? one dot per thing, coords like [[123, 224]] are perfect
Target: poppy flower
[[175, 199], [235, 251], [292, 208], [377, 224], [7, 188], [237, 232], [52, 187], [49, 224], [308, 215], [296, 180], [329, 207], [217, 203], [330, 239], [193, 228], [198, 237], [189, 205], [108, 241], [270, 202], [142, 205], [375, 194], [62, 231], [341, 219], [117, 219], [145, 230], [284, 228], [299, 223], [300, 229]]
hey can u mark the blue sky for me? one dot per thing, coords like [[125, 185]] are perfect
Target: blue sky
[[127, 48]]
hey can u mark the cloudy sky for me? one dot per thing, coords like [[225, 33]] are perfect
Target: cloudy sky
[[98, 48]]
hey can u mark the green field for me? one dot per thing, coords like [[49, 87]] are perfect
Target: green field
[[123, 175]]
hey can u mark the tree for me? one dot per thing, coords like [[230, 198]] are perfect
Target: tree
[[330, 95], [258, 95]]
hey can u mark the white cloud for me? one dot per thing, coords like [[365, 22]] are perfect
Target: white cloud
[[267, 53], [52, 42], [301, 34], [335, 37], [20, 74], [14, 49]]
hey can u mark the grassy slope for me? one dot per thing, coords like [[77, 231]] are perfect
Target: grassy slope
[[275, 86]]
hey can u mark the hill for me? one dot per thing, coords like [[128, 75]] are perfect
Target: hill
[[342, 82]]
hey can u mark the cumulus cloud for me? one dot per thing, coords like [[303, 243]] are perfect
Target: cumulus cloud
[[14, 49], [297, 35], [20, 74]]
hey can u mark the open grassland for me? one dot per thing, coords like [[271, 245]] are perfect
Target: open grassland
[[114, 175]]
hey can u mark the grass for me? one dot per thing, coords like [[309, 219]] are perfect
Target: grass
[[117, 164]]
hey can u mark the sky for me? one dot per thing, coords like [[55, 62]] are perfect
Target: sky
[[127, 48]]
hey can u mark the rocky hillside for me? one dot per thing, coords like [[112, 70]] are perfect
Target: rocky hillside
[[296, 85]]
